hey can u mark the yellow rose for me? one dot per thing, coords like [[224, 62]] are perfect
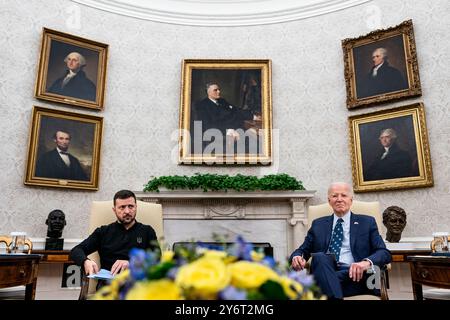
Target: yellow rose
[[203, 277], [292, 288], [250, 275], [162, 289], [215, 254], [308, 296], [106, 293], [167, 256]]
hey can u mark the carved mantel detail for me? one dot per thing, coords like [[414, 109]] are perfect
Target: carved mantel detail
[[224, 209]]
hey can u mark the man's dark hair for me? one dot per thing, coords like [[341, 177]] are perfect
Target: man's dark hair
[[209, 84], [124, 194], [64, 131]]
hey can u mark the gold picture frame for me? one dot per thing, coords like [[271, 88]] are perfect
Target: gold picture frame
[[77, 139], [390, 149], [72, 70], [368, 80], [235, 127]]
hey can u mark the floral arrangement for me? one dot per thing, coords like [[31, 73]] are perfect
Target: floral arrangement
[[196, 271]]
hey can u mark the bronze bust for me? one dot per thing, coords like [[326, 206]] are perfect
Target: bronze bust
[[56, 221], [394, 218]]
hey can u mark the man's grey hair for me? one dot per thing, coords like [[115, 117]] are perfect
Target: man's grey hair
[[383, 52], [390, 132], [80, 57], [339, 183]]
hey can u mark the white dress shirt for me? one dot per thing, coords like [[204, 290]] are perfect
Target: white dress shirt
[[68, 77], [386, 151]]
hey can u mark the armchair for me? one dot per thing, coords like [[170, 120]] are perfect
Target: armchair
[[102, 214], [368, 208]]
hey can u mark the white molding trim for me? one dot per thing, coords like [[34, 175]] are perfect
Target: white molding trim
[[221, 12]]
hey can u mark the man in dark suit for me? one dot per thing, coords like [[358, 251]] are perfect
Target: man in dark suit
[[391, 162], [382, 78], [343, 247], [216, 114], [59, 163], [74, 83]]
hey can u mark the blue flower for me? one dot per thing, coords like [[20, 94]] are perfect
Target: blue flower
[[231, 293], [140, 261], [242, 249], [302, 277], [137, 263]]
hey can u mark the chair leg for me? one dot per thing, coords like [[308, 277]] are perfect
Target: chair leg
[[384, 285], [84, 287]]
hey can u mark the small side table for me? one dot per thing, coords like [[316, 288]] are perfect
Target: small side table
[[432, 271]]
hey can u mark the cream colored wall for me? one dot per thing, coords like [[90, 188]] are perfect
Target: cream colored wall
[[142, 102]]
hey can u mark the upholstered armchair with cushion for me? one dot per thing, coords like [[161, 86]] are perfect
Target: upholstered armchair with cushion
[[361, 207], [102, 214]]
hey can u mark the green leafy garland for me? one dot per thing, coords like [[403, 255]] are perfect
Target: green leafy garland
[[216, 182]]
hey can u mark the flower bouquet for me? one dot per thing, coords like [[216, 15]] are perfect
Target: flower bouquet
[[196, 271]]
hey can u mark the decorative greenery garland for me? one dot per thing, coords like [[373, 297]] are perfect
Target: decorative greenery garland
[[216, 182]]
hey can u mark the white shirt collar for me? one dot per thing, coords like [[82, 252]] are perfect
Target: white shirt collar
[[378, 66], [375, 70], [345, 217], [59, 151]]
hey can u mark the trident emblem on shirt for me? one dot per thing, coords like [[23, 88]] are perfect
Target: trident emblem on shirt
[[139, 240]]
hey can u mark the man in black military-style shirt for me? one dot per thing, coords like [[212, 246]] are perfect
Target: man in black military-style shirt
[[114, 241]]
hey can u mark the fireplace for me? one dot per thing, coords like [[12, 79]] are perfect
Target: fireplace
[[278, 218]]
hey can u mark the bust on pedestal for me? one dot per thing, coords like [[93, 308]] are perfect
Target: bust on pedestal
[[56, 221]]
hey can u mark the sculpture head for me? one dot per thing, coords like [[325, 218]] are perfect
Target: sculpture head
[[394, 218], [56, 221]]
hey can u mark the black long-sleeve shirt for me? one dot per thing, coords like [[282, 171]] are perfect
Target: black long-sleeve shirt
[[114, 242]]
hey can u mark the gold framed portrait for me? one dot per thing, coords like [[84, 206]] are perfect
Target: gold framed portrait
[[381, 66], [64, 149], [390, 149], [226, 112], [72, 70]]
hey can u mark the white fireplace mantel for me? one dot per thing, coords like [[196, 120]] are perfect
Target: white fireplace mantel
[[278, 217]]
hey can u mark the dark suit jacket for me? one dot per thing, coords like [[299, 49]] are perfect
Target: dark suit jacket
[[50, 165], [222, 117], [78, 87], [365, 241], [388, 79], [396, 164]]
